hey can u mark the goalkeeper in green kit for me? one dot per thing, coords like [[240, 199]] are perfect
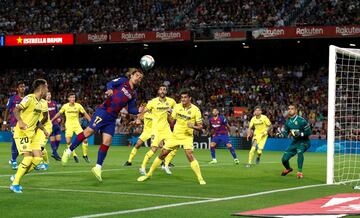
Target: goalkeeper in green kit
[[300, 130]]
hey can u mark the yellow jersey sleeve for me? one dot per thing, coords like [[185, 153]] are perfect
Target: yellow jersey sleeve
[[198, 118], [81, 108], [174, 112], [44, 106], [26, 101], [63, 109], [172, 102], [150, 105], [267, 121]]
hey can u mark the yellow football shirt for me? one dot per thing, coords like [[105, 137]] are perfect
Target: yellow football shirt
[[30, 114], [183, 116], [159, 111], [261, 124], [72, 113], [148, 119]]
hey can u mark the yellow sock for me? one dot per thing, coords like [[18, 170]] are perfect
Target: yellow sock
[[147, 157], [132, 154], [22, 169], [259, 152], [73, 152], [154, 165], [196, 168], [170, 156], [251, 154], [45, 156], [35, 161], [85, 148]]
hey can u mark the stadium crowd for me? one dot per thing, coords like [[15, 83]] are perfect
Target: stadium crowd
[[63, 16], [225, 88]]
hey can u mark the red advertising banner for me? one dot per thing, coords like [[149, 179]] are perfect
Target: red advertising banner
[[229, 35], [238, 111], [150, 36], [29, 40], [307, 32], [84, 38]]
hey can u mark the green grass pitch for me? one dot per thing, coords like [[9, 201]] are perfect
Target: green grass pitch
[[73, 191]]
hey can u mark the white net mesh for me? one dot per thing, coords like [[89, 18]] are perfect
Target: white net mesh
[[347, 117]]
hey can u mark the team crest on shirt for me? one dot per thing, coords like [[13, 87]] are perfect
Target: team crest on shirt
[[189, 112], [296, 122]]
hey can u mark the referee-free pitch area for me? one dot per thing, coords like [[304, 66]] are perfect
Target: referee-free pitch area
[[73, 191]]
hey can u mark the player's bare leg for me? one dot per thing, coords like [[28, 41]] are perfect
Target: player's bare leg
[[194, 166], [133, 152]]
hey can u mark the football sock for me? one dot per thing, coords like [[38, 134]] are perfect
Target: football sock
[[251, 154], [213, 156], [196, 168], [23, 167], [103, 149], [170, 157], [154, 165], [132, 154], [232, 151], [147, 157]]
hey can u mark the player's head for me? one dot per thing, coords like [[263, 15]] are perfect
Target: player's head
[[20, 87], [162, 91], [40, 85], [71, 97], [215, 112], [292, 110], [257, 111], [48, 96], [135, 76], [185, 97]]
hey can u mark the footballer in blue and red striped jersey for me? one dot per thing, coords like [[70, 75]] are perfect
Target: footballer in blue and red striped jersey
[[13, 101], [55, 136], [121, 93], [220, 135]]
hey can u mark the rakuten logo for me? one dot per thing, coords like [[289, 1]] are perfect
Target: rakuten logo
[[347, 31], [309, 31], [132, 36], [167, 35], [268, 33], [97, 37]]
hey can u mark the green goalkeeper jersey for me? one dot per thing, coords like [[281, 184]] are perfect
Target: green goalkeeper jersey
[[298, 127]]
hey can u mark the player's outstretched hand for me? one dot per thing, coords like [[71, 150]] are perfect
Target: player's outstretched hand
[[109, 92]]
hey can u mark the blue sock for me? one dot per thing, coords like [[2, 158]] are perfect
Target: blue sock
[[54, 148], [57, 143], [103, 149], [77, 141], [232, 151], [14, 151], [212, 149]]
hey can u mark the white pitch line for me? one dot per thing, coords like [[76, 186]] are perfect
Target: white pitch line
[[197, 202], [116, 193]]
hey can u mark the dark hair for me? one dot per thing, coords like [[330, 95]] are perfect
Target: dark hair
[[185, 92], [20, 82], [132, 71], [292, 104], [163, 86], [37, 83], [70, 94], [258, 107]]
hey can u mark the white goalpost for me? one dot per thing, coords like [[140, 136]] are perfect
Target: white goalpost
[[343, 136]]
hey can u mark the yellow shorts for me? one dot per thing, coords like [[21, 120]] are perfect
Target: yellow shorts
[[26, 143], [70, 130], [174, 141], [40, 136], [160, 136], [260, 141], [145, 136]]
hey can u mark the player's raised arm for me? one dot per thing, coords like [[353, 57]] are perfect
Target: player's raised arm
[[113, 84]]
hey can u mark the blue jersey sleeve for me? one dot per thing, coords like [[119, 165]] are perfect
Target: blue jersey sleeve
[[9, 103], [223, 119], [132, 107], [116, 83]]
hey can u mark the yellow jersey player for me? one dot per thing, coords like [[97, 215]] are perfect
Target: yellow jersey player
[[27, 114], [41, 137], [72, 123], [145, 135], [188, 118], [262, 126], [160, 128]]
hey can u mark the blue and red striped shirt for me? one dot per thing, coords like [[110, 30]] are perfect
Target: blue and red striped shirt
[[219, 125], [123, 95], [10, 106], [53, 110]]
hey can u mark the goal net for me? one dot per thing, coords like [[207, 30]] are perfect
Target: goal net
[[343, 148]]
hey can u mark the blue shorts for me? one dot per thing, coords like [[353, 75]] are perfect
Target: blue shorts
[[221, 139], [103, 122], [56, 130]]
